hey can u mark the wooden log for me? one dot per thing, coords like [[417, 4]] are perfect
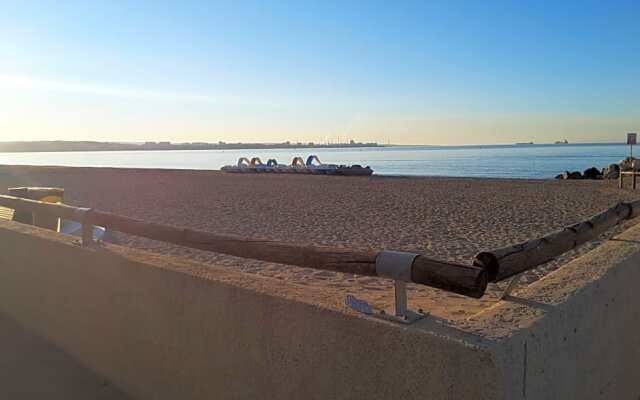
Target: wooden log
[[462, 279], [466, 280], [44, 194], [635, 208], [37, 193], [45, 209], [511, 260], [22, 216], [620, 180]]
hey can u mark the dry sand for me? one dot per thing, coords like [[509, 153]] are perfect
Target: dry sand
[[446, 218]]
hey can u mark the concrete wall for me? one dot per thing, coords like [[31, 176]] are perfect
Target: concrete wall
[[163, 328], [158, 330], [576, 333]]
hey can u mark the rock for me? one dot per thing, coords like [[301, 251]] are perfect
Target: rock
[[571, 175], [612, 175], [611, 172], [627, 164], [592, 173], [560, 176]]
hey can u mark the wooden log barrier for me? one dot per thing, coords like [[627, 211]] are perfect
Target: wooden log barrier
[[462, 279], [44, 194], [467, 280], [620, 180], [632, 174], [511, 260], [57, 210]]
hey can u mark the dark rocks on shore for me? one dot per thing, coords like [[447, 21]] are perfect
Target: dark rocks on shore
[[628, 164], [592, 173], [574, 175], [610, 172], [570, 175], [612, 175]]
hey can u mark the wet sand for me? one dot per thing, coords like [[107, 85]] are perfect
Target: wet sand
[[446, 218]]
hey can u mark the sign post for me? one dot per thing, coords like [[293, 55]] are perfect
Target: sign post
[[631, 140]]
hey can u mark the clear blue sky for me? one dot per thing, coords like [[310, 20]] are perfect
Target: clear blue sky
[[408, 72]]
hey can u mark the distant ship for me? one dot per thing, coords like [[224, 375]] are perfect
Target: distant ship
[[524, 144], [563, 141]]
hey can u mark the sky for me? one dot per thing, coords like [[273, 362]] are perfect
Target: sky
[[450, 72]]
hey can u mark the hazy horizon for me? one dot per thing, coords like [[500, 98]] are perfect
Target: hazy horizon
[[292, 143], [406, 73]]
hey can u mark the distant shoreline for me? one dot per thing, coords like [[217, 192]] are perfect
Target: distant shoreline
[[88, 146]]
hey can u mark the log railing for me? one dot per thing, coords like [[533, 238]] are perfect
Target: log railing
[[512, 260], [632, 174], [467, 280]]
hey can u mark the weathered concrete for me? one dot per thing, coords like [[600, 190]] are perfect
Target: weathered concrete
[[574, 334], [164, 328], [32, 369], [159, 331]]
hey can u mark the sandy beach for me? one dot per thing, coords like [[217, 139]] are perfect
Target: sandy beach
[[446, 218]]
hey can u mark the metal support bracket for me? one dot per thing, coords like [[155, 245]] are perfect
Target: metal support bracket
[[87, 235], [90, 234], [512, 285], [394, 265]]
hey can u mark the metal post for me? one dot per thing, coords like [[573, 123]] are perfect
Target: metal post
[[394, 265], [620, 183], [397, 265], [401, 298], [87, 234], [512, 285]]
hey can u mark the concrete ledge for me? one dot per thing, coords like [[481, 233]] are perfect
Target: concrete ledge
[[165, 328], [159, 331], [573, 334]]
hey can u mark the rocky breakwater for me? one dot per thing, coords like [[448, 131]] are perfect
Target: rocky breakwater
[[610, 172]]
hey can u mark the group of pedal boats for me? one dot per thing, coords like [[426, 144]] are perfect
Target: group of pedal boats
[[313, 165]]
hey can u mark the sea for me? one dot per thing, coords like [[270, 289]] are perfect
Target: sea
[[497, 161]]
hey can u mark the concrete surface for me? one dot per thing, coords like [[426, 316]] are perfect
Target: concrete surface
[[32, 369], [574, 334], [166, 328]]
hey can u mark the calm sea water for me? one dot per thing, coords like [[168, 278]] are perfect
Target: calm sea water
[[524, 161]]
